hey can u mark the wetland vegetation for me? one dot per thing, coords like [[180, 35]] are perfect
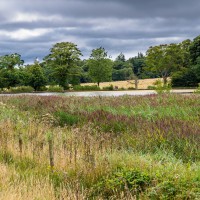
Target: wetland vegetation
[[128, 147]]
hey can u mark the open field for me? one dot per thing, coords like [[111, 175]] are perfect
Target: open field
[[143, 83], [127, 147]]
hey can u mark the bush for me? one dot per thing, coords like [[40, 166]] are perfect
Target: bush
[[64, 118], [43, 88], [186, 78], [197, 90], [110, 87], [131, 88], [21, 89], [86, 88], [160, 88], [121, 181], [165, 190], [151, 87], [55, 88]]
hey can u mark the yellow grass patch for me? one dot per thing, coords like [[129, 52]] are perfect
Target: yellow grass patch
[[143, 83]]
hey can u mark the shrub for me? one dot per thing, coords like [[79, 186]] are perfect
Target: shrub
[[186, 78], [110, 87], [21, 89], [64, 118], [122, 180], [151, 87], [55, 88], [131, 88], [86, 87], [197, 90], [160, 88], [165, 190], [43, 88]]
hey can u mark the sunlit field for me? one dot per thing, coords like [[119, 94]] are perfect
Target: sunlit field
[[142, 84], [126, 147]]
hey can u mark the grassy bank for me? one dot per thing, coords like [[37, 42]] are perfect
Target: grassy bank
[[100, 148]]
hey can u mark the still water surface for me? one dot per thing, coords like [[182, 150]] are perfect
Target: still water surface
[[102, 93], [89, 93]]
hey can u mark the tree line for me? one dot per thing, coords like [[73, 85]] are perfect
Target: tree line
[[64, 66]]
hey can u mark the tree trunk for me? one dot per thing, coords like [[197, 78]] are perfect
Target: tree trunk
[[165, 80]]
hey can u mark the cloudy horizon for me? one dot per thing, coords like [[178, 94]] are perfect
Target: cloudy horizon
[[31, 28]]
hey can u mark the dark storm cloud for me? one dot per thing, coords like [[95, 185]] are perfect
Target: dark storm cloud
[[32, 27]]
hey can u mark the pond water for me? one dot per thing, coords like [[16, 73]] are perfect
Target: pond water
[[89, 93], [101, 93]]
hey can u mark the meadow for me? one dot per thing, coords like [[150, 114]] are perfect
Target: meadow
[[127, 147], [142, 84]]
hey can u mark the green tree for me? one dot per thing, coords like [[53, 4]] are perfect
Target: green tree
[[185, 52], [9, 71], [122, 69], [138, 63], [121, 58], [35, 76], [195, 50], [185, 78], [164, 59], [10, 61], [100, 67], [63, 59]]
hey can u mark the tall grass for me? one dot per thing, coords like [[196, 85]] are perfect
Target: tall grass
[[100, 148]]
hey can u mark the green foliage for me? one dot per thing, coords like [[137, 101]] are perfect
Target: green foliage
[[55, 88], [131, 88], [63, 59], [9, 78], [100, 67], [121, 58], [195, 50], [197, 91], [164, 59], [161, 88], [121, 74], [128, 180], [21, 89], [184, 78], [138, 64], [151, 87], [64, 118], [36, 78], [10, 61], [86, 88], [110, 87], [141, 147], [122, 69], [164, 190]]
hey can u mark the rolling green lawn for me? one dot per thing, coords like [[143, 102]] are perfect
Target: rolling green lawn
[[130, 147]]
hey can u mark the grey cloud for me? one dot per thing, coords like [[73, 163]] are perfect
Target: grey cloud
[[120, 26]]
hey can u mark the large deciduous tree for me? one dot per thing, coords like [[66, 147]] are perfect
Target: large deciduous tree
[[195, 50], [10, 61], [100, 66], [63, 59], [35, 76], [164, 59], [8, 72]]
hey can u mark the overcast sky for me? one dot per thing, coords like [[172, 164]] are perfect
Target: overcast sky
[[31, 27]]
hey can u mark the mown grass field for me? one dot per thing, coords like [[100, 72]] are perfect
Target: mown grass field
[[100, 148]]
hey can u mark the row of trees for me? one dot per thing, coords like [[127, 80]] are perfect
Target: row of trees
[[179, 61], [63, 66]]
